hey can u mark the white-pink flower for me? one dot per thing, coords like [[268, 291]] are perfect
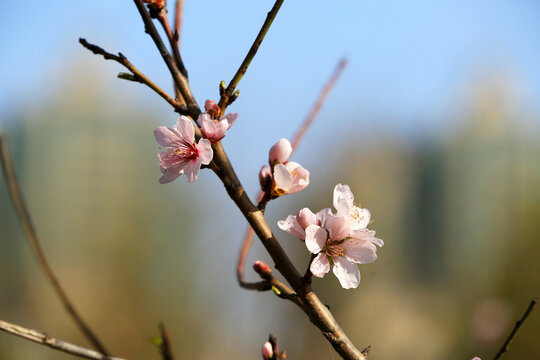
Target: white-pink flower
[[289, 178], [213, 127], [340, 239], [297, 224], [356, 218], [182, 155]]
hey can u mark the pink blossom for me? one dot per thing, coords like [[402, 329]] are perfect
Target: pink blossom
[[213, 127], [182, 155], [280, 152], [267, 351], [289, 178], [355, 217], [296, 224], [342, 238]]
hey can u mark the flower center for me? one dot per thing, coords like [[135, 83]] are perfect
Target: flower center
[[186, 150], [355, 214], [335, 251]]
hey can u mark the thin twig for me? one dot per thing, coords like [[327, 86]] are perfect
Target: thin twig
[[178, 21], [165, 346], [271, 283], [224, 100], [53, 343], [318, 103], [164, 20], [514, 332], [28, 227], [308, 274], [179, 79], [137, 75]]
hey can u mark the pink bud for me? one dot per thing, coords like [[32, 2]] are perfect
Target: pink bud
[[306, 218], [155, 4], [212, 109], [265, 177], [280, 152], [267, 351], [262, 268]]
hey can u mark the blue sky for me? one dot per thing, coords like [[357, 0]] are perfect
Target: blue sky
[[410, 62]]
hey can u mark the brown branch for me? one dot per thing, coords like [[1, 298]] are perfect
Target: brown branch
[[317, 312], [514, 332], [53, 343], [225, 97], [178, 21], [136, 74], [179, 79], [164, 20], [318, 103], [28, 227]]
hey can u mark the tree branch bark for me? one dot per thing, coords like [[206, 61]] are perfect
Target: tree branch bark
[[44, 339]]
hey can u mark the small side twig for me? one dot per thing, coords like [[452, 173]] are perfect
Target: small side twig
[[514, 332], [164, 20], [28, 227], [224, 100], [53, 343], [137, 75], [308, 275], [269, 282], [178, 21], [179, 79], [316, 108], [165, 346]]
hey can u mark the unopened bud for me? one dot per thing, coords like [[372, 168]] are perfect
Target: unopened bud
[[280, 152], [265, 177], [212, 109], [262, 268], [267, 351], [155, 4]]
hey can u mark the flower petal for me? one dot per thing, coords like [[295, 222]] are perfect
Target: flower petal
[[205, 151], [192, 169], [186, 128], [172, 173], [165, 136], [368, 235], [290, 225], [282, 177], [315, 238], [347, 272], [359, 251], [322, 214], [230, 118], [320, 265], [343, 199], [336, 226], [359, 217], [306, 217], [300, 177]]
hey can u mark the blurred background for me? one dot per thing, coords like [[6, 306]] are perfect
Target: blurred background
[[434, 125]]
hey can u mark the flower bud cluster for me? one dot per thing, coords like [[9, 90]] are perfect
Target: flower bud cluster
[[213, 126], [282, 176]]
